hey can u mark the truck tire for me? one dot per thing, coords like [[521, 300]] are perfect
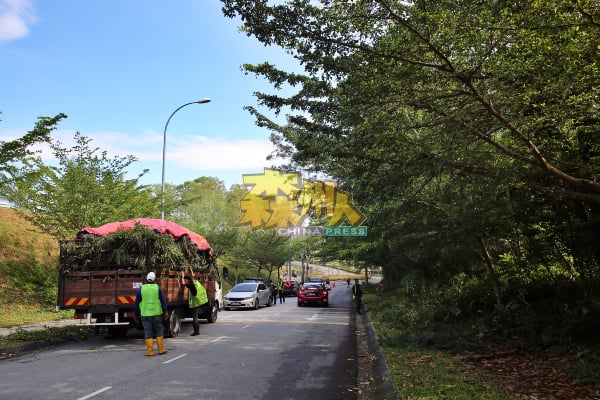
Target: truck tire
[[213, 313], [173, 324]]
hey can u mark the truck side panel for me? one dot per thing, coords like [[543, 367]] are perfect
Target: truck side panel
[[88, 289], [119, 288]]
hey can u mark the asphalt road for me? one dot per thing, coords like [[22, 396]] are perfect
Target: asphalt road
[[279, 352]]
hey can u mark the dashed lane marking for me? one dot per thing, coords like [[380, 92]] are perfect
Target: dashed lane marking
[[174, 359]]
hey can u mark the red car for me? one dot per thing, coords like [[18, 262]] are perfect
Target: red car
[[313, 293]]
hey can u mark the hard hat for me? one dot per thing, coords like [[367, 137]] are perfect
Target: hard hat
[[150, 277]]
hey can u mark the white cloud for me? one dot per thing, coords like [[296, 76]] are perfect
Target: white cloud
[[16, 16], [187, 156], [187, 151]]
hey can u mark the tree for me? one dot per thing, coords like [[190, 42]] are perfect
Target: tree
[[205, 206], [265, 250], [451, 122], [474, 72], [16, 150], [85, 189]]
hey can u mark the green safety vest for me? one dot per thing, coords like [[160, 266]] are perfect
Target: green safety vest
[[200, 298], [150, 305]]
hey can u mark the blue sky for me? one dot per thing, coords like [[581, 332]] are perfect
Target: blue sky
[[119, 68]]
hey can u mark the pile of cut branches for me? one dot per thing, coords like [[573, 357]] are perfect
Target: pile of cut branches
[[137, 248]]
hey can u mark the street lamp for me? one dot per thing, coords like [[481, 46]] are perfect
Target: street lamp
[[162, 185]]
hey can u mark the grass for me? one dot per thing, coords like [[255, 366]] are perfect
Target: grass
[[27, 259], [433, 374], [49, 334], [443, 361], [421, 372], [16, 314]]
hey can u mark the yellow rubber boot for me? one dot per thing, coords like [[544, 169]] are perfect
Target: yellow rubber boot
[[150, 347], [160, 340]]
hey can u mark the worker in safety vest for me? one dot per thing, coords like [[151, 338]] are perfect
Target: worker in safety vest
[[197, 298], [151, 305], [281, 294]]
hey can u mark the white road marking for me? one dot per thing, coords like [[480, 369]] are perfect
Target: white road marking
[[313, 317], [217, 339], [176, 358], [95, 393]]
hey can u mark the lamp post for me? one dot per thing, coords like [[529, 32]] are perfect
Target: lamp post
[[162, 185]]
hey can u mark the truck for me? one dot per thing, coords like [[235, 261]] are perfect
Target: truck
[[101, 269]]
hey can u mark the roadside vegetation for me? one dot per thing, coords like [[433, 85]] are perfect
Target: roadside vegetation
[[433, 356]]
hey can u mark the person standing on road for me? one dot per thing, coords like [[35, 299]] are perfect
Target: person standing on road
[[273, 293], [151, 305], [281, 293], [357, 296], [197, 298]]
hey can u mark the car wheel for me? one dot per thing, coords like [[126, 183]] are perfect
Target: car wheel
[[256, 304], [226, 308], [299, 304]]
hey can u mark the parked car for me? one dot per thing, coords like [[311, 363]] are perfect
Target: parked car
[[247, 295], [290, 288], [313, 293], [252, 279]]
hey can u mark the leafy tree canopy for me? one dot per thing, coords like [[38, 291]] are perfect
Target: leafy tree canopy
[[86, 189], [453, 123], [16, 149]]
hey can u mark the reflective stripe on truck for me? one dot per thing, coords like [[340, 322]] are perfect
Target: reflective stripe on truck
[[125, 299], [77, 301]]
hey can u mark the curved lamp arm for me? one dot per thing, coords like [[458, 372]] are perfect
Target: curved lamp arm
[[164, 152]]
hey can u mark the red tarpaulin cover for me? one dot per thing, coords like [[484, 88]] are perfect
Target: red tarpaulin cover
[[157, 225]]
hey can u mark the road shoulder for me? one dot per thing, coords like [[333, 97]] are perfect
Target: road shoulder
[[373, 376]]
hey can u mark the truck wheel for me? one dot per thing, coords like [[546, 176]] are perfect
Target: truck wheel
[[173, 324], [213, 313]]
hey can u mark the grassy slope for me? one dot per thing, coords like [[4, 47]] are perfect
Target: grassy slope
[[20, 243], [19, 239]]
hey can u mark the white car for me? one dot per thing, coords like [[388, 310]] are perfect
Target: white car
[[247, 295]]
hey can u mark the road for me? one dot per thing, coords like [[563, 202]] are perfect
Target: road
[[280, 352], [335, 273]]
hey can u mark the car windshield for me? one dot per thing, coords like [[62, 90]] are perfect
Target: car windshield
[[311, 285], [245, 287]]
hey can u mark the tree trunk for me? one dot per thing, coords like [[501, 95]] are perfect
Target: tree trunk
[[493, 277]]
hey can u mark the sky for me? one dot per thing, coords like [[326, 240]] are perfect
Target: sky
[[119, 68]]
